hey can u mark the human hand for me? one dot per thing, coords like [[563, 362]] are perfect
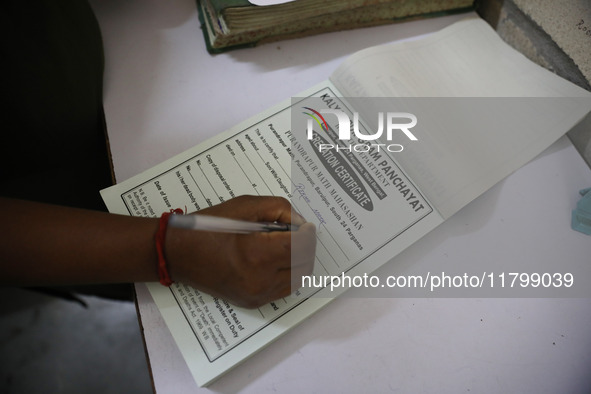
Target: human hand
[[248, 270]]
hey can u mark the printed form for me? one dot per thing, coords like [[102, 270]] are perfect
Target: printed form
[[367, 206], [263, 157]]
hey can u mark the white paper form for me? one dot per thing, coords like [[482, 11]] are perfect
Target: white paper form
[[260, 156], [256, 158], [467, 60]]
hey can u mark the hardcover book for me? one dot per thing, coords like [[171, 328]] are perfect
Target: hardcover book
[[237, 23]]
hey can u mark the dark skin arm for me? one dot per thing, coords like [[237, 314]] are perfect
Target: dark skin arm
[[52, 245]]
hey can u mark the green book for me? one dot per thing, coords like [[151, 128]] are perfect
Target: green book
[[229, 24]]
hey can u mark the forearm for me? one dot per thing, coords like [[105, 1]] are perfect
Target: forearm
[[52, 245]]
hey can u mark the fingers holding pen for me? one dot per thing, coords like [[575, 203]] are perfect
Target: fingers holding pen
[[285, 248], [247, 269], [287, 257]]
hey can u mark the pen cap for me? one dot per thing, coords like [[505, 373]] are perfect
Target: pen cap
[[217, 224]]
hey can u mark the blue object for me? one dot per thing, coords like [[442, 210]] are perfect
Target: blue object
[[581, 217]]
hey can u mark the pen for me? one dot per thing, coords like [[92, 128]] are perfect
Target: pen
[[225, 225]]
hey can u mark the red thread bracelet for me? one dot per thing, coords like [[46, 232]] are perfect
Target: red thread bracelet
[[159, 238]]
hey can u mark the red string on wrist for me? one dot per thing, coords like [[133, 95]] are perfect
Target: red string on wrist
[[159, 238]]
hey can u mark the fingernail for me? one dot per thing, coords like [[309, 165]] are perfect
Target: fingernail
[[295, 215]]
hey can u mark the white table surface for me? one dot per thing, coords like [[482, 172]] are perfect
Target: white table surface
[[164, 93]]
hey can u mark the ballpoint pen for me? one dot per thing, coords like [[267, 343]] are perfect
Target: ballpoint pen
[[225, 225]]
